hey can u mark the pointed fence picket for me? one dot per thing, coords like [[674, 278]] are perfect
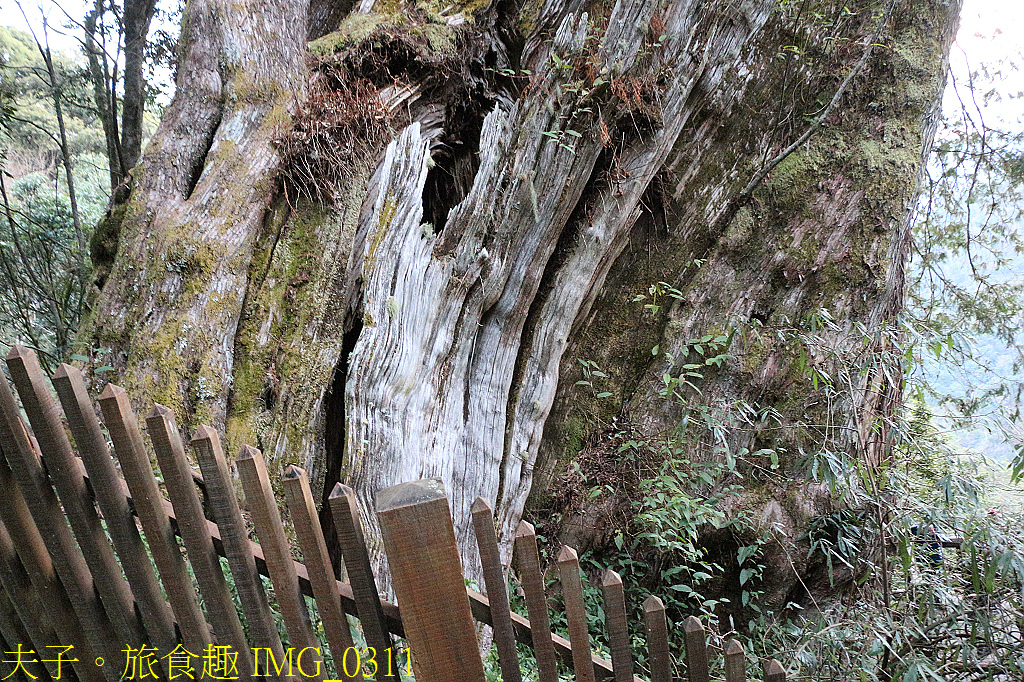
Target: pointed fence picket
[[75, 569]]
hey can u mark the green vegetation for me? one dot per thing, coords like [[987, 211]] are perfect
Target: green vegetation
[[45, 275], [895, 606]]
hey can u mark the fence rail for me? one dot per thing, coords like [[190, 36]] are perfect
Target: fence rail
[[86, 595]]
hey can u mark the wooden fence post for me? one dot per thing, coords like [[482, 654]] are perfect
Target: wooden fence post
[[530, 576], [137, 469], [497, 595], [618, 629], [735, 665], [55, 534], [20, 619], [774, 672], [419, 539], [235, 538], [170, 453], [259, 497], [696, 651], [575, 613], [345, 511], [321, 574], [58, 614], [657, 640], [75, 496], [106, 486]]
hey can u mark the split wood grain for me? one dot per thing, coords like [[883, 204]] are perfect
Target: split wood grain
[[192, 524], [426, 572], [497, 594], [234, 537], [259, 499], [528, 560], [575, 613], [152, 510], [321, 573], [120, 522], [618, 628]]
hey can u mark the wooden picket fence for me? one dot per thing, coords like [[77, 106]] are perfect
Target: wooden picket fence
[[75, 570]]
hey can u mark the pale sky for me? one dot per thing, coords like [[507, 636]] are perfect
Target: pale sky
[[991, 32]]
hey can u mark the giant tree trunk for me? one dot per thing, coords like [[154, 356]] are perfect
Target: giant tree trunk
[[395, 277]]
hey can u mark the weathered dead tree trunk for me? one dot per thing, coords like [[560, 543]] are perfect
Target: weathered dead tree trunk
[[393, 277]]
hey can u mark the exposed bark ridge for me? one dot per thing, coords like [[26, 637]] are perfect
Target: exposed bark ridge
[[828, 231], [455, 369], [173, 300]]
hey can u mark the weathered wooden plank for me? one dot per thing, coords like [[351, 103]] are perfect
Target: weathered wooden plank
[[522, 626], [696, 650], [735, 665], [235, 539], [419, 539], [22, 618], [259, 498], [95, 454], [774, 672], [59, 615], [575, 613], [321, 573], [117, 424], [192, 525], [618, 628], [13, 628], [657, 640], [345, 512], [56, 535], [494, 581], [77, 499], [532, 581], [152, 509]]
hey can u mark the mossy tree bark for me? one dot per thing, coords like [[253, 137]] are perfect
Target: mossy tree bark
[[470, 197]]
